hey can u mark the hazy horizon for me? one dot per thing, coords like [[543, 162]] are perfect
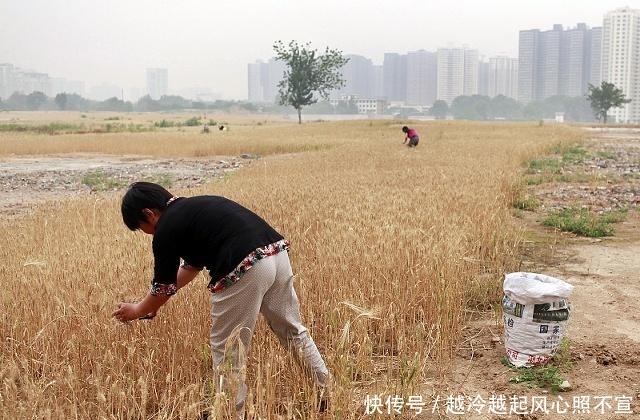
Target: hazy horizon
[[206, 44]]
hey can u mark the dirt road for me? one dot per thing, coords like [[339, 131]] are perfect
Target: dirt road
[[604, 327]]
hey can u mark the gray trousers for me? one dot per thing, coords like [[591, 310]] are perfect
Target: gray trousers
[[266, 288]]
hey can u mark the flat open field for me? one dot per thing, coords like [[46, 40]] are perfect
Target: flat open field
[[399, 256]]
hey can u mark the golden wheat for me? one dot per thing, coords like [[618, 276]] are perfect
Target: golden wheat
[[391, 248]]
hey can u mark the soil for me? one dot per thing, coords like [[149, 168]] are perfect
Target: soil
[[27, 181], [604, 326]]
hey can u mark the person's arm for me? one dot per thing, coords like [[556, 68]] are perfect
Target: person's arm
[[148, 307], [145, 308], [186, 273]]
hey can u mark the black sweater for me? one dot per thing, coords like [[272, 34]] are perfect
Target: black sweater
[[206, 232]]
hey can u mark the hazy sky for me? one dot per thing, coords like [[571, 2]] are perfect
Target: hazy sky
[[208, 43]]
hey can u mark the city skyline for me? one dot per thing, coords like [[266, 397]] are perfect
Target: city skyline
[[209, 46]]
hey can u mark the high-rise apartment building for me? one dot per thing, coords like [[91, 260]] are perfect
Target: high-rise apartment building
[[378, 81], [528, 73], [595, 73], [157, 82], [274, 74], [14, 79], [6, 80], [503, 77], [450, 73], [557, 62], [255, 91], [263, 79], [575, 61], [549, 62], [26, 82], [483, 77], [422, 80], [471, 59], [358, 75], [457, 73], [621, 59], [394, 77]]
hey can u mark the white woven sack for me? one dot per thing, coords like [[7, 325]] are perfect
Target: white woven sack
[[535, 311]]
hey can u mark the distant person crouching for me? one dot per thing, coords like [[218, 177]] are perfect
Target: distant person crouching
[[411, 136]]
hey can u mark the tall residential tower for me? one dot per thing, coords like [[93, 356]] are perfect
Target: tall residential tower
[[557, 62], [157, 82], [621, 59]]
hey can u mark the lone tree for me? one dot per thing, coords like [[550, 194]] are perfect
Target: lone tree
[[308, 75], [605, 97], [440, 109], [61, 101]]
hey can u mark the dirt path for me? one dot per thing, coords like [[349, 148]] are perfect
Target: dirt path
[[604, 327]]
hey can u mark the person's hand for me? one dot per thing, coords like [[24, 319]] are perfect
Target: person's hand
[[126, 312]]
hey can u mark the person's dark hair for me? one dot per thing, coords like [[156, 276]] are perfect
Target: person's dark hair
[[142, 195], [405, 129]]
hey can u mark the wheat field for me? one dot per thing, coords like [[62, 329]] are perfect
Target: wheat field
[[394, 250]]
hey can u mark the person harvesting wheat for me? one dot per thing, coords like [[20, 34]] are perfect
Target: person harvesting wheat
[[250, 273]]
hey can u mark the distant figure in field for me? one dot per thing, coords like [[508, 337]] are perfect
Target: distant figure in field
[[223, 127], [411, 135], [250, 274]]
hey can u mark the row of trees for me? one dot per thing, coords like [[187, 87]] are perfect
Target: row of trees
[[479, 107], [309, 77], [38, 101], [476, 107]]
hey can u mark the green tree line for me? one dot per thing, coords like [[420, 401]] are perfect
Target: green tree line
[[38, 101], [589, 108]]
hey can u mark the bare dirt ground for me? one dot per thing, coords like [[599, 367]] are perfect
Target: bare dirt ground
[[603, 369], [604, 328], [26, 181]]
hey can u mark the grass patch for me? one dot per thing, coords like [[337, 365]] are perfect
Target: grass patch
[[51, 128], [547, 377], [544, 165], [527, 203], [99, 181], [584, 223], [166, 180], [191, 122], [552, 165], [605, 154], [536, 179], [164, 124], [122, 128], [574, 154], [545, 178], [66, 128]]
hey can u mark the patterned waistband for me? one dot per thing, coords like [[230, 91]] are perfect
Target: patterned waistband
[[247, 263]]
